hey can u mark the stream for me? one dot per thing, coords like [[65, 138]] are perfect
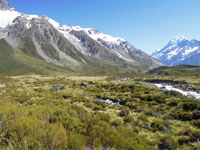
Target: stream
[[168, 87], [108, 101]]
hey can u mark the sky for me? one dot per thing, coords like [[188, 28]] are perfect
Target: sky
[[146, 24]]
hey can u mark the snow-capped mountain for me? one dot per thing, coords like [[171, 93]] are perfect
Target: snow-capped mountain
[[178, 51], [68, 46], [8, 14]]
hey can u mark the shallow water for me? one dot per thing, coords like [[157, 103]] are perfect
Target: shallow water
[[108, 101], [185, 93]]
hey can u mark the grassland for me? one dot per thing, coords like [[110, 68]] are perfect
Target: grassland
[[58, 113]]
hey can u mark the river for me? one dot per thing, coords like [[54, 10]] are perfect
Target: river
[[184, 92]]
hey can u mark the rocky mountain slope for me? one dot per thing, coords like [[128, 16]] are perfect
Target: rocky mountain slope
[[70, 47], [179, 51]]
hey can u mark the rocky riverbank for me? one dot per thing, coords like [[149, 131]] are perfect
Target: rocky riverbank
[[180, 87]]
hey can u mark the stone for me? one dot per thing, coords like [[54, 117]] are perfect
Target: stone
[[59, 87], [2, 85], [123, 112], [147, 125], [19, 90], [85, 84]]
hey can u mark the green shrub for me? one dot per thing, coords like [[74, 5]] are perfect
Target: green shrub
[[117, 123], [143, 117], [174, 103], [196, 115], [158, 125], [124, 112], [196, 123], [153, 113], [128, 119], [184, 116], [167, 143], [104, 117], [77, 142], [190, 106]]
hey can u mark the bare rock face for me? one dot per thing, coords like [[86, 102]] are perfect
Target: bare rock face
[[69, 46], [4, 5]]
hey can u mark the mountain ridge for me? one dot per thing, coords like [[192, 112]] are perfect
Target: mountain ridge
[[4, 5], [178, 51], [69, 46]]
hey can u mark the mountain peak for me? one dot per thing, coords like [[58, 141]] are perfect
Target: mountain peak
[[8, 14], [179, 51], [4, 5], [179, 38]]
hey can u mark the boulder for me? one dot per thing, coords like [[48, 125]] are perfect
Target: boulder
[[59, 87], [84, 84], [123, 112]]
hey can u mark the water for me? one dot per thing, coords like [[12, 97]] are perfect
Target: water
[[185, 93], [108, 101]]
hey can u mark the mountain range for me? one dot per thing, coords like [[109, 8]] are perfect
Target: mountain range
[[38, 44], [178, 51]]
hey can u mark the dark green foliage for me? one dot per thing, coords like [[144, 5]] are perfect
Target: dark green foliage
[[167, 143], [190, 106], [196, 115], [128, 119], [158, 125], [143, 117], [184, 116], [196, 123]]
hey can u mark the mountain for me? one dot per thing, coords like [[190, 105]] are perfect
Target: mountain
[[179, 51], [5, 6], [71, 48]]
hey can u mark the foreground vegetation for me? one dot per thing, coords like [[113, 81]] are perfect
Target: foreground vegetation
[[55, 113]]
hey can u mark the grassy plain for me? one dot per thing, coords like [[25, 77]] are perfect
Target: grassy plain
[[59, 112]]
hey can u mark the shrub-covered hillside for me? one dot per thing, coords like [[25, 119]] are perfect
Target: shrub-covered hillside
[[60, 113]]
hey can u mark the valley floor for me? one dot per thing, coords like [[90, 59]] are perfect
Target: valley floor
[[100, 112]]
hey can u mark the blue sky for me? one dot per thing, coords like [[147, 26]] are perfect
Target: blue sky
[[146, 24]]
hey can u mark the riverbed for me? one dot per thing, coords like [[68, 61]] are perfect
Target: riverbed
[[184, 92], [108, 101]]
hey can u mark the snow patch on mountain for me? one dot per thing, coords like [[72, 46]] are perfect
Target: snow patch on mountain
[[7, 17], [30, 17], [179, 38], [96, 35], [99, 37], [172, 53], [180, 50], [92, 33], [190, 50], [65, 30], [54, 23]]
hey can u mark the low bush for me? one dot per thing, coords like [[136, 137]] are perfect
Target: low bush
[[190, 106], [168, 143]]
